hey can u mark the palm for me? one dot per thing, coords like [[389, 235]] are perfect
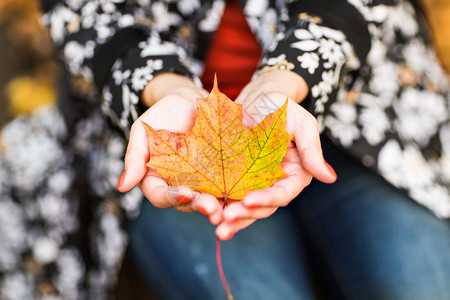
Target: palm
[[174, 113]]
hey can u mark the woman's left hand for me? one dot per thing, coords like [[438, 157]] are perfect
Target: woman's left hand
[[303, 159]]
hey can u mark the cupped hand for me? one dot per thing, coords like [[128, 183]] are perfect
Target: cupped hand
[[303, 160], [173, 107]]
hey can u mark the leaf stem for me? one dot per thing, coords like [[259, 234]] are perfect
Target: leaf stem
[[221, 273], [219, 263]]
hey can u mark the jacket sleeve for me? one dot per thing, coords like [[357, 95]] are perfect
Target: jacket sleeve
[[318, 39], [115, 47]]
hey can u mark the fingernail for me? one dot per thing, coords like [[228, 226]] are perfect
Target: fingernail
[[121, 179], [331, 170], [203, 211], [251, 205], [183, 199], [235, 219], [251, 202]]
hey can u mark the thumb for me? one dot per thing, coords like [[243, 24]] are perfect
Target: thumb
[[314, 163], [136, 157], [307, 140]]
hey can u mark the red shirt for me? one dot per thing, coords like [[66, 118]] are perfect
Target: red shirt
[[234, 53]]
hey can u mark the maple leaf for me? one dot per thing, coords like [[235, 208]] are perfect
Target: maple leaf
[[220, 155]]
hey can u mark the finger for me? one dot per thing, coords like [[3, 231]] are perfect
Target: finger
[[156, 190], [237, 211], [307, 140], [226, 230], [280, 194], [209, 206], [136, 157], [180, 198]]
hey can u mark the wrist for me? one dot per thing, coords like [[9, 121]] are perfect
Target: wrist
[[283, 81], [170, 83]]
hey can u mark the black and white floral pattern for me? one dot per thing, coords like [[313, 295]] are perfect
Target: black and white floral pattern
[[44, 204], [61, 219]]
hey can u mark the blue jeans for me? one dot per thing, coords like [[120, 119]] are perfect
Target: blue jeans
[[358, 238]]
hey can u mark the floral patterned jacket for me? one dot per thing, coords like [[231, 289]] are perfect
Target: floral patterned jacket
[[376, 89]]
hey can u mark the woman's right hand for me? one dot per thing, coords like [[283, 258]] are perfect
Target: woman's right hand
[[172, 102]]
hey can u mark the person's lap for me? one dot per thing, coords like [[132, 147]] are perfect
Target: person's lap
[[356, 239]]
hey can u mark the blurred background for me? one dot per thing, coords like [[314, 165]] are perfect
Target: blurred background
[[28, 69]]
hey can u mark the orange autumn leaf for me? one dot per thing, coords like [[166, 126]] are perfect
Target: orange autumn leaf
[[221, 156]]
